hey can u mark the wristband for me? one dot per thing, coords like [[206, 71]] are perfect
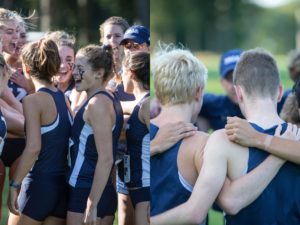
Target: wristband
[[13, 184]]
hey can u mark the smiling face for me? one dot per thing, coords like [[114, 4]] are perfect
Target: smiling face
[[113, 35], [21, 41], [9, 35], [66, 55], [83, 74]]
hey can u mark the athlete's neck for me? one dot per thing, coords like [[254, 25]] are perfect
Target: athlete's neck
[[38, 84], [90, 92], [174, 113], [138, 91], [262, 112], [63, 86]]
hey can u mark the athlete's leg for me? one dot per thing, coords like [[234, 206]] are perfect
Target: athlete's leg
[[13, 219], [141, 213], [74, 218], [107, 220], [51, 220], [24, 220], [2, 180], [125, 210]]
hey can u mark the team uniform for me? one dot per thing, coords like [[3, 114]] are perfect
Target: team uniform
[[168, 187], [120, 184], [84, 156], [3, 130], [279, 203], [138, 147], [69, 89], [44, 190], [13, 147]]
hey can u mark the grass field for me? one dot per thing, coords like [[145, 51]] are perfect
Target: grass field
[[211, 60]]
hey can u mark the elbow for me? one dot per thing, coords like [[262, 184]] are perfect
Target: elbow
[[106, 161], [229, 205], [195, 216], [33, 149]]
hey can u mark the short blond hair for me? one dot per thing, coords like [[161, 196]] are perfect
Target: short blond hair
[[177, 75]]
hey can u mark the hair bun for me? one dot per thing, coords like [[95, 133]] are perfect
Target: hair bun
[[107, 48]]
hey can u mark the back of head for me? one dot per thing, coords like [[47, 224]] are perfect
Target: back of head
[[139, 63], [99, 57], [61, 38], [42, 59], [178, 74], [257, 72]]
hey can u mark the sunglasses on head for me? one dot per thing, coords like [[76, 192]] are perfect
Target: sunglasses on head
[[130, 45]]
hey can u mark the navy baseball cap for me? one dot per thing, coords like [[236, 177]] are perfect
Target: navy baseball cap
[[228, 61], [138, 34]]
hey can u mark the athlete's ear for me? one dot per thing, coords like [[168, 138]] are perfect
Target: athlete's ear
[[199, 93], [26, 68], [280, 93], [99, 74], [238, 91]]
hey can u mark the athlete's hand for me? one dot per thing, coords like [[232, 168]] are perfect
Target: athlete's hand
[[241, 132], [90, 215], [18, 78], [169, 134], [12, 201], [292, 132]]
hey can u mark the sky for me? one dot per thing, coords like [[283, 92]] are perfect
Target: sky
[[271, 3]]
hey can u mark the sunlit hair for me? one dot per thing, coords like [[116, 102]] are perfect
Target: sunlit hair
[[7, 16], [139, 63], [178, 74], [62, 38], [42, 58], [115, 20], [99, 57], [257, 73]]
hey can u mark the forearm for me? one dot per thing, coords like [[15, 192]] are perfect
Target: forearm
[[25, 164], [180, 215], [9, 98], [280, 147], [102, 172], [237, 194]]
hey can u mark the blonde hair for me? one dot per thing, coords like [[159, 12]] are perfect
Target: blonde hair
[[7, 16], [177, 75]]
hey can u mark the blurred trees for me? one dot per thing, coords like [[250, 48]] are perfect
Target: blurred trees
[[218, 25], [80, 17]]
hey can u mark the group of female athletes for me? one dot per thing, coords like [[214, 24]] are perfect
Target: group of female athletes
[[78, 108]]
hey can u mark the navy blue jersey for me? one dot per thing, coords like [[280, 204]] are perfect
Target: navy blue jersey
[[216, 108], [52, 159], [168, 188], [17, 90], [138, 146], [122, 95], [69, 89], [282, 101], [3, 130], [279, 203], [83, 152]]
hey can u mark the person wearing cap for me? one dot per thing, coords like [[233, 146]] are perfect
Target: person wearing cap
[[136, 38], [216, 108]]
